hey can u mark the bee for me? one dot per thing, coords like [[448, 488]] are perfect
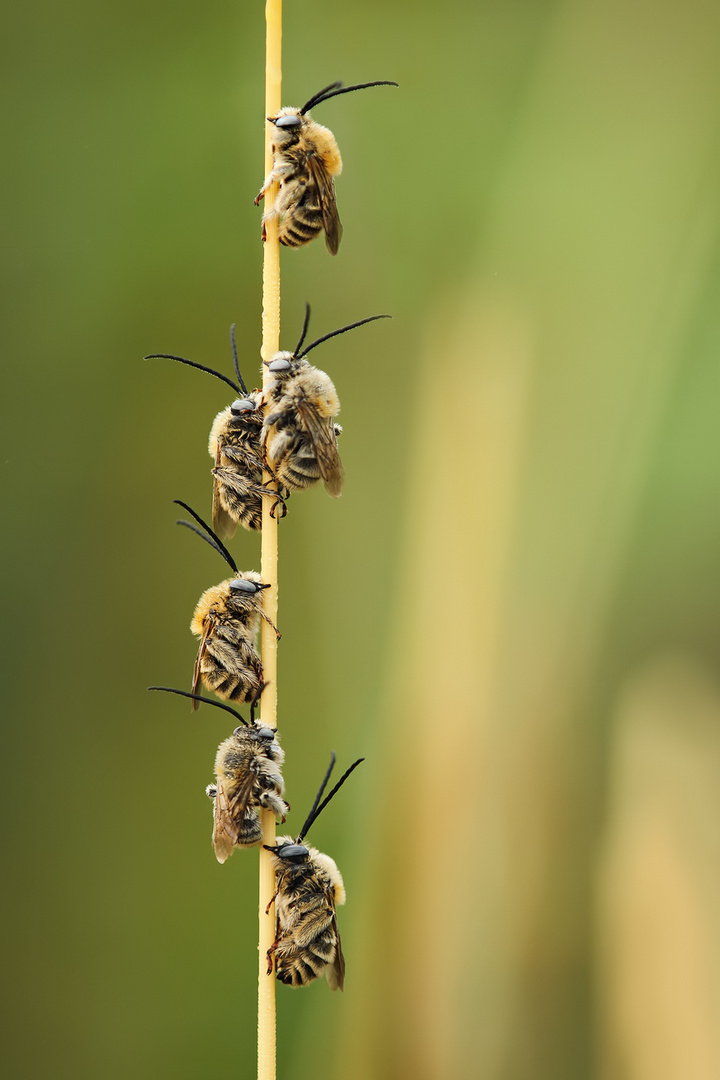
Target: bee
[[247, 776], [227, 619], [299, 435], [235, 447], [308, 888], [305, 160]]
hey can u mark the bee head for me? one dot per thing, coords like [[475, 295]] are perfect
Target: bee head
[[282, 363], [242, 585], [294, 853], [288, 125], [267, 734], [241, 406]]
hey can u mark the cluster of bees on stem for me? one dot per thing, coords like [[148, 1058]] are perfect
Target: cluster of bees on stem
[[267, 444]]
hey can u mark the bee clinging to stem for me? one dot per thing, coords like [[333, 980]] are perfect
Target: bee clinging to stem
[[227, 620], [234, 446], [308, 887], [305, 160], [299, 435], [247, 776]]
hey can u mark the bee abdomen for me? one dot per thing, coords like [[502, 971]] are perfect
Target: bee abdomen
[[250, 831], [304, 966], [233, 674], [294, 233]]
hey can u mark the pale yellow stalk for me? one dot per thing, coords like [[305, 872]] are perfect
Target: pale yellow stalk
[[269, 557]]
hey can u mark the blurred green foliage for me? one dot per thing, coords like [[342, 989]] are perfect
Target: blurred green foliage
[[530, 524]]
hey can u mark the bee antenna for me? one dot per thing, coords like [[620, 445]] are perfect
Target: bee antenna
[[243, 387], [319, 96], [337, 88], [342, 330], [212, 539], [200, 367], [299, 345], [198, 697], [312, 815], [317, 810]]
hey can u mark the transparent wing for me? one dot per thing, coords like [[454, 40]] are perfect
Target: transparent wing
[[321, 432], [326, 192], [223, 524], [197, 670], [228, 814]]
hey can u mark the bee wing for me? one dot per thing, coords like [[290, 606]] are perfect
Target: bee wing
[[326, 192], [227, 818], [321, 431], [336, 974], [223, 524], [207, 631]]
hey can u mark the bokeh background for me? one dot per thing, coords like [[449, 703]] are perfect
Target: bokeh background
[[513, 611]]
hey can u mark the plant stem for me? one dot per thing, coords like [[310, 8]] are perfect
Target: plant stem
[[269, 557]]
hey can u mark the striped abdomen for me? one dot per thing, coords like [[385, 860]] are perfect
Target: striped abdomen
[[299, 211]]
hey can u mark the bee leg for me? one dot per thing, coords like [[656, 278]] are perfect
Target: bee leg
[[270, 623], [267, 912], [275, 943], [260, 196], [280, 501], [264, 232]]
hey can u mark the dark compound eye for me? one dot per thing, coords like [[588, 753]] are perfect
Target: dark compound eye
[[279, 365], [290, 121], [266, 733], [241, 585], [293, 852], [241, 406]]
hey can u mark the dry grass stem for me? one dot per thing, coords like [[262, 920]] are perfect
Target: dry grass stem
[[269, 558]]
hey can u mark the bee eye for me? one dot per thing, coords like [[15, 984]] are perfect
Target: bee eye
[[293, 852], [266, 733], [291, 121], [240, 406], [279, 365], [241, 585]]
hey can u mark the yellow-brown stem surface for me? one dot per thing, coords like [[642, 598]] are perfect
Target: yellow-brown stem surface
[[269, 558]]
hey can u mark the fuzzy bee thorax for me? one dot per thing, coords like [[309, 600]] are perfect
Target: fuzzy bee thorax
[[222, 602], [324, 145], [317, 865]]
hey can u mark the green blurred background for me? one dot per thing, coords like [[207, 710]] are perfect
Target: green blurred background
[[513, 611]]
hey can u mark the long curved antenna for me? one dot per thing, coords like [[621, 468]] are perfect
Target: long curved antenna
[[212, 539], [337, 88], [316, 813], [200, 367], [235, 360], [298, 347], [319, 96], [312, 815], [342, 330], [317, 810], [198, 697]]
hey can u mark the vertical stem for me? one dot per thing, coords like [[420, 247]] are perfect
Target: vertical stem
[[269, 558]]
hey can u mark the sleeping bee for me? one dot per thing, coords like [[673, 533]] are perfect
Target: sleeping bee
[[248, 776], [299, 435], [227, 620], [305, 160], [308, 887], [235, 448]]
